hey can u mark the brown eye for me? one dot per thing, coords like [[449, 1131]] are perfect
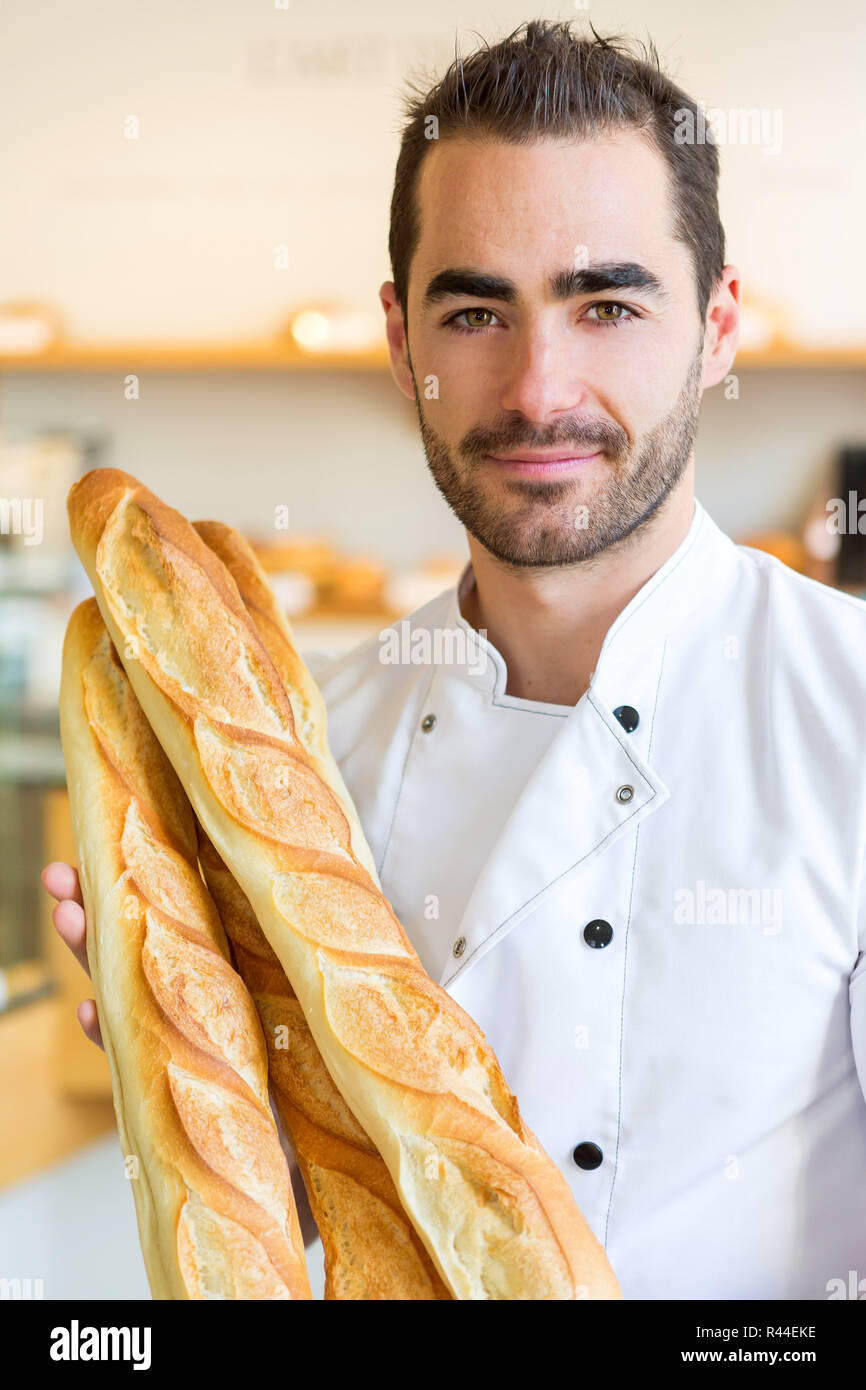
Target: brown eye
[[474, 323], [608, 312]]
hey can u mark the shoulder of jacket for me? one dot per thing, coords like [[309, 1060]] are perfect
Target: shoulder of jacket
[[814, 598], [810, 627]]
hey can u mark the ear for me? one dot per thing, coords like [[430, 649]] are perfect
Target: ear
[[722, 327], [396, 334]]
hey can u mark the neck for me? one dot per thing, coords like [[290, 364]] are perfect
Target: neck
[[549, 624]]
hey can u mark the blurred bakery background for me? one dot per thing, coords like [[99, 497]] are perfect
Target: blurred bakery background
[[194, 234]]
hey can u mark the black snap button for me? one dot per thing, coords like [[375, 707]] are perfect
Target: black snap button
[[428, 723], [587, 1155], [628, 717], [598, 933]]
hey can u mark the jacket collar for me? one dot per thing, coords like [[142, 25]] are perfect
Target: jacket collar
[[701, 562], [570, 810]]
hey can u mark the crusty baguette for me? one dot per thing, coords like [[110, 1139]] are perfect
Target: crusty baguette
[[212, 1188], [308, 706], [494, 1212], [371, 1248]]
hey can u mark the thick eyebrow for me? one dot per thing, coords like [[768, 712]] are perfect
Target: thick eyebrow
[[565, 284]]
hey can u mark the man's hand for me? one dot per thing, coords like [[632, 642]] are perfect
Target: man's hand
[[61, 881]]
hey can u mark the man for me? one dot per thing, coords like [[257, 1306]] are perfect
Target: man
[[623, 817]]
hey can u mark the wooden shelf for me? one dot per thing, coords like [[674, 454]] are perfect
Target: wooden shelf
[[180, 357], [793, 355], [265, 356]]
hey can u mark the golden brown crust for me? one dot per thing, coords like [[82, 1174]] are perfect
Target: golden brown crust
[[370, 1246], [495, 1214], [308, 707], [188, 1060]]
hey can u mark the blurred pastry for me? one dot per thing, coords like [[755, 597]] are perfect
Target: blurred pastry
[[356, 585]]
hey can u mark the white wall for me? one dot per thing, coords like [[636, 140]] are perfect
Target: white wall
[[260, 126]]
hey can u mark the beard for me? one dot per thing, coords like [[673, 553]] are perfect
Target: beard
[[559, 522]]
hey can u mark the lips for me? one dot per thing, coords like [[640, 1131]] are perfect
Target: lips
[[543, 463]]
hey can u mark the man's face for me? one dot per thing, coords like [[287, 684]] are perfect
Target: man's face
[[602, 369]]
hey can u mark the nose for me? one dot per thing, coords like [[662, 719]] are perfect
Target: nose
[[543, 377]]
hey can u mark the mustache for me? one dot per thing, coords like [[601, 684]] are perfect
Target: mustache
[[583, 436]]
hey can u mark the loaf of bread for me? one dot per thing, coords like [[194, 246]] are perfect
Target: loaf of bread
[[308, 707], [211, 1184], [495, 1214], [371, 1248]]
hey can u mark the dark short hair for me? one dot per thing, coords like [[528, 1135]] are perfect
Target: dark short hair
[[542, 81]]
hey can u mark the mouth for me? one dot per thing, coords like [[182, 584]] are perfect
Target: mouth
[[542, 464]]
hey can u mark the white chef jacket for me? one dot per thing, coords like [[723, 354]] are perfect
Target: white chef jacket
[[695, 1061]]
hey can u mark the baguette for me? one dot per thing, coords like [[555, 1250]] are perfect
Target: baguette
[[371, 1248], [495, 1214], [274, 629], [212, 1189]]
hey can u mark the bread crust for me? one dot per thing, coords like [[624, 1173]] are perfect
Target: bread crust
[[188, 1061]]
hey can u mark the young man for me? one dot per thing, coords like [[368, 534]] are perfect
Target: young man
[[622, 815]]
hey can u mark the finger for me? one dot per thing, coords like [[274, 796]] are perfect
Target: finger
[[68, 919], [89, 1021], [61, 881]]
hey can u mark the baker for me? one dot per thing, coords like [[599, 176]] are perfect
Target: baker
[[629, 841]]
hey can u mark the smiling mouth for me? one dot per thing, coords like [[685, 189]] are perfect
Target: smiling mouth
[[542, 465]]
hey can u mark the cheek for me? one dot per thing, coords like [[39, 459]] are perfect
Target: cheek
[[632, 392], [637, 383], [456, 380]]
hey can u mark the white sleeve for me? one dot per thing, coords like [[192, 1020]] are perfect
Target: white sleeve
[[857, 990]]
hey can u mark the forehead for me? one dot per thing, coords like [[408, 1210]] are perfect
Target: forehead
[[494, 205]]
